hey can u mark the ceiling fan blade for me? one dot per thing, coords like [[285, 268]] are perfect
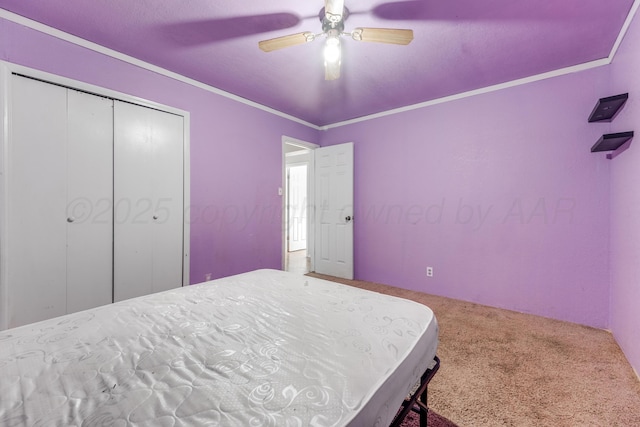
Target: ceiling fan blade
[[383, 35], [333, 10], [286, 41], [205, 31]]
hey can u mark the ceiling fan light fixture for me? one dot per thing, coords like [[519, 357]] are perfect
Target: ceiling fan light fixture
[[332, 50], [333, 16]]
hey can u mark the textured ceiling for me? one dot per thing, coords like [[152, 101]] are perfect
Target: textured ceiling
[[459, 45]]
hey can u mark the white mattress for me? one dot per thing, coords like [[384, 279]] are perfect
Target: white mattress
[[265, 348]]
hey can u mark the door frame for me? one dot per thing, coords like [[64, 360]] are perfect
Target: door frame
[[6, 70], [287, 140]]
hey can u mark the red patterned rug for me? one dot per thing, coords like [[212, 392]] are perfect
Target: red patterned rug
[[434, 420]]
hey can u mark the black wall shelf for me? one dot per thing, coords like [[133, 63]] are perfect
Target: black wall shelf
[[607, 108], [611, 141]]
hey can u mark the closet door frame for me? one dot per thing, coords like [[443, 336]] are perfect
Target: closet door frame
[[6, 71]]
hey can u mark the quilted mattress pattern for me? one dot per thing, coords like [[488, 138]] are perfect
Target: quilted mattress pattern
[[265, 348]]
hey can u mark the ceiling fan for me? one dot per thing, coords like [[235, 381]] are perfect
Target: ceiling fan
[[333, 16]]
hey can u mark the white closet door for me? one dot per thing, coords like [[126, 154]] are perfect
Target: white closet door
[[90, 201], [37, 198], [148, 198], [60, 238]]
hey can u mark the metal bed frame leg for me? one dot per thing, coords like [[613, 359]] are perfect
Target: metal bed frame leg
[[424, 409], [417, 402]]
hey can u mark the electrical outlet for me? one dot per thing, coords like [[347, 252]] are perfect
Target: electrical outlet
[[429, 271]]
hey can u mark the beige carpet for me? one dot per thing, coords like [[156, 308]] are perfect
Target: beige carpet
[[502, 368]]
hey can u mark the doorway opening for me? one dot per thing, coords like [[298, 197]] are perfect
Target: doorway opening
[[297, 213], [328, 208]]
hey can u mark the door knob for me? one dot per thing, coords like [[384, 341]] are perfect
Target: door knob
[[348, 218], [155, 217], [71, 219]]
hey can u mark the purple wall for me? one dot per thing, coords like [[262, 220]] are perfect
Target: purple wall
[[498, 192], [625, 203], [236, 151]]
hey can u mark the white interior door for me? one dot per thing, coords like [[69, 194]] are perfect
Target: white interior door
[[37, 198], [90, 201], [297, 206], [148, 200], [334, 210], [59, 201], [58, 223]]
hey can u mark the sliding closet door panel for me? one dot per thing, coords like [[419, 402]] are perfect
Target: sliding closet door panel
[[90, 201], [168, 210], [132, 242], [148, 200], [36, 236]]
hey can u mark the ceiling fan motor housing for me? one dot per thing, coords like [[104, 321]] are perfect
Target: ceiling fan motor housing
[[333, 22]]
